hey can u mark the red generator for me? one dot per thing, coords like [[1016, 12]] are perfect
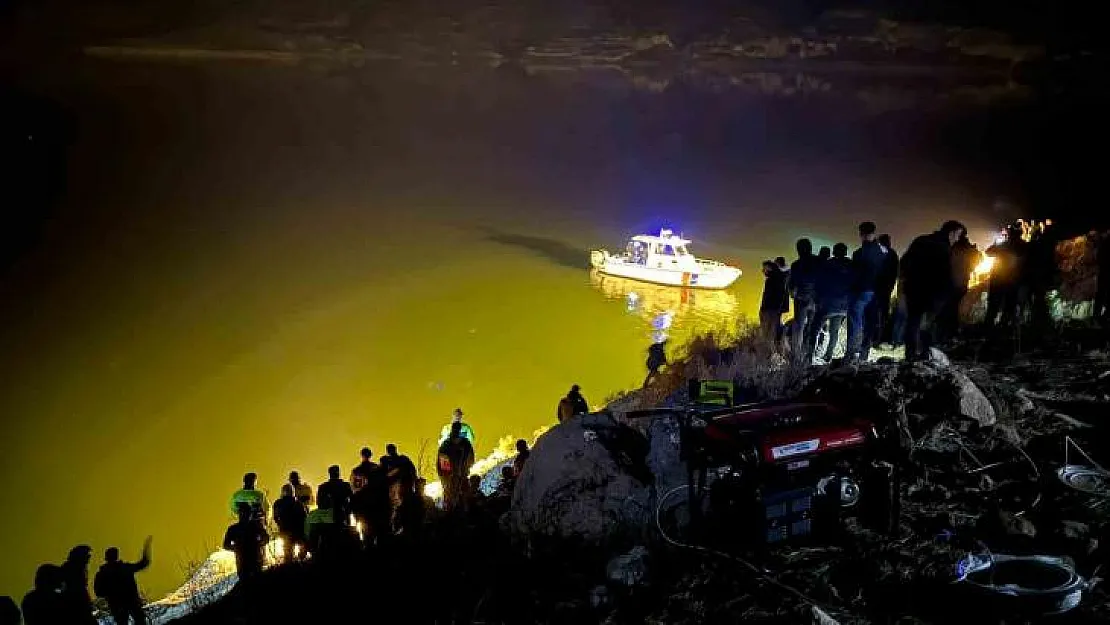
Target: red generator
[[787, 470]]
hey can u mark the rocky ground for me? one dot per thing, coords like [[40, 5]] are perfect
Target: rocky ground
[[978, 443]]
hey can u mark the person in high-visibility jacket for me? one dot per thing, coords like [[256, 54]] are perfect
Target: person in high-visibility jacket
[[251, 496]]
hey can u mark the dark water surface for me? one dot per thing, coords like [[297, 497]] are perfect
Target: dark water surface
[[260, 268]]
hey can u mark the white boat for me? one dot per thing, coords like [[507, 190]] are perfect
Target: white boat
[[664, 259]]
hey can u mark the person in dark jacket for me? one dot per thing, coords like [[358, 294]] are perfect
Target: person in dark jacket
[[522, 454], [657, 359], [775, 299], [9, 611], [802, 286], [578, 402], [1005, 277], [825, 253], [925, 283], [456, 456], [339, 494], [247, 538], [867, 266], [75, 574], [371, 507], [46, 604], [884, 290], [834, 290], [964, 258], [1039, 275], [360, 475], [115, 583], [289, 515]]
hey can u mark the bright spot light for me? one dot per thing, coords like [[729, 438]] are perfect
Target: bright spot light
[[982, 271]]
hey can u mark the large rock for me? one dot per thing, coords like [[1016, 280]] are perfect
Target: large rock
[[917, 396], [586, 480]]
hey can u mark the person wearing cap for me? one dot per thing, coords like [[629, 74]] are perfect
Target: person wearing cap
[[466, 431]]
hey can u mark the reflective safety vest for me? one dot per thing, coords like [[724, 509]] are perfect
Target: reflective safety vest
[[467, 432], [316, 518], [252, 497], [717, 392]]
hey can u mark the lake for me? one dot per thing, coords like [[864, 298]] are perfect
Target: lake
[[262, 268]]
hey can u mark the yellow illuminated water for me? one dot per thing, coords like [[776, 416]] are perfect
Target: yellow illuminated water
[[258, 270]]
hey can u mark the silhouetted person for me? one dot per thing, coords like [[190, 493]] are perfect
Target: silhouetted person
[[863, 316], [338, 493], [46, 604], [371, 506], [884, 289], [474, 490], [964, 258], [657, 358], [565, 410], [252, 496], [834, 290], [1002, 290], [522, 454], [774, 303], [824, 253], [401, 473], [75, 574], [9, 611], [360, 475], [578, 402], [1039, 275], [456, 456], [506, 484], [247, 539], [321, 529], [802, 286], [926, 282], [301, 490], [411, 513], [289, 516], [115, 583], [780, 262], [1101, 310]]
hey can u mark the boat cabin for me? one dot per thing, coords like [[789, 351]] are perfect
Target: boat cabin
[[659, 252]]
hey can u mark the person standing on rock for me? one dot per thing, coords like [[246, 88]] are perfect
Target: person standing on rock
[[289, 515], [833, 294], [75, 571], [456, 456], [252, 496], [302, 491], [867, 265], [884, 290], [339, 494], [115, 583], [247, 539], [802, 286], [577, 401], [522, 454], [360, 475], [775, 300], [925, 283], [657, 359]]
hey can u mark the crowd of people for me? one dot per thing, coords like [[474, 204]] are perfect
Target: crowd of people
[[913, 300], [381, 503]]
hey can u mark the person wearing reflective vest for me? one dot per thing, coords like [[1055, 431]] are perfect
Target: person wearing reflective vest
[[456, 456], [251, 496]]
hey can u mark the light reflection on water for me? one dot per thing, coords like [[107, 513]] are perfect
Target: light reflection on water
[[691, 311]]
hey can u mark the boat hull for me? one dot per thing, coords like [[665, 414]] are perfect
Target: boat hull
[[715, 278]]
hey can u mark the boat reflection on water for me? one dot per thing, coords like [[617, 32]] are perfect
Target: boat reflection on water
[[683, 310]]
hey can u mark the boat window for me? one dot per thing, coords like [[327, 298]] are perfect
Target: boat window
[[668, 250], [680, 250]]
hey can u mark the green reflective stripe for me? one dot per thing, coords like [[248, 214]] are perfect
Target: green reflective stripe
[[253, 498]]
